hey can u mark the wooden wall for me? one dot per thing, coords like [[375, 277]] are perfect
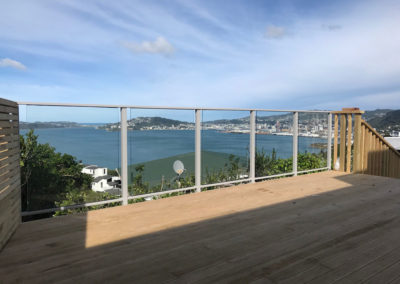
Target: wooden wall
[[10, 181]]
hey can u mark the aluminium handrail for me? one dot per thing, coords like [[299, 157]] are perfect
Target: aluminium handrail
[[166, 107]]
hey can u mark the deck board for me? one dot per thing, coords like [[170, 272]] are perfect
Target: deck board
[[319, 228]]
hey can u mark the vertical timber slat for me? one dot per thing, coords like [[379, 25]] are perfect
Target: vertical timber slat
[[371, 154], [348, 156], [367, 148], [357, 143], [342, 142], [362, 148]]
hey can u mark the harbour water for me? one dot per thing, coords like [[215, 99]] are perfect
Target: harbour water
[[101, 147]]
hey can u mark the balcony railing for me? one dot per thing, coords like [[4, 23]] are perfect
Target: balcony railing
[[199, 185], [362, 149]]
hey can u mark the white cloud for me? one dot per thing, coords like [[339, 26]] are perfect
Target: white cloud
[[160, 46], [7, 62], [275, 32], [331, 27]]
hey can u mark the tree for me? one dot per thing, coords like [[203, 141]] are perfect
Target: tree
[[47, 176]]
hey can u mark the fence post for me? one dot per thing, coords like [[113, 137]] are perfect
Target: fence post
[[252, 146], [295, 140], [342, 155], [124, 156], [329, 150], [357, 143], [197, 156], [349, 130]]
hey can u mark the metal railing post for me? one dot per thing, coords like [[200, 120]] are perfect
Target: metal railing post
[[124, 156], [252, 147], [197, 156], [295, 140], [329, 148]]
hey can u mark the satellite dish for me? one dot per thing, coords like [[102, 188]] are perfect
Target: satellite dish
[[178, 167]]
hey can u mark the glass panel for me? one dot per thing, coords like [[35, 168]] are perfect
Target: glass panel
[[68, 156], [157, 139], [274, 143], [313, 143], [225, 146]]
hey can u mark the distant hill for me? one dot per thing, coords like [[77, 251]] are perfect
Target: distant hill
[[260, 118], [49, 124], [148, 122], [371, 114], [389, 121]]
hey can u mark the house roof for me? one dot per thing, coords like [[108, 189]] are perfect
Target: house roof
[[97, 179], [394, 141], [114, 183], [91, 167]]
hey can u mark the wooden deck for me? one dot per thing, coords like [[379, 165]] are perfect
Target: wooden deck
[[320, 228]]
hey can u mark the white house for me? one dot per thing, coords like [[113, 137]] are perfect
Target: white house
[[102, 182], [95, 171]]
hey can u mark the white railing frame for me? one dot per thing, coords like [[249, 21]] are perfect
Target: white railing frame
[[198, 121], [124, 156], [295, 141], [252, 152]]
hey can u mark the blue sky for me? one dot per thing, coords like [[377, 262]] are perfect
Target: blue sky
[[263, 54]]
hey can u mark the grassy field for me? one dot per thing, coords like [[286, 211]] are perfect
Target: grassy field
[[154, 170]]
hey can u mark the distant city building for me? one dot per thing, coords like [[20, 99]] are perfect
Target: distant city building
[[395, 133]]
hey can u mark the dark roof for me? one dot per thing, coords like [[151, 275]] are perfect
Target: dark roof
[[97, 179], [114, 183]]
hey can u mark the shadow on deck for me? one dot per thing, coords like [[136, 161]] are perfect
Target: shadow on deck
[[317, 228]]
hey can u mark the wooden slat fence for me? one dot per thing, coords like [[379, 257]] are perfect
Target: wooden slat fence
[[10, 184], [361, 148]]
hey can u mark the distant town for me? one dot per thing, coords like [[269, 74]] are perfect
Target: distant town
[[310, 125], [386, 121]]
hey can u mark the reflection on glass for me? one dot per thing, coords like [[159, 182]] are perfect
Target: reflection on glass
[[68, 156], [156, 140], [313, 133], [274, 143], [225, 146]]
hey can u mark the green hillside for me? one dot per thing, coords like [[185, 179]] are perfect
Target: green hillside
[[377, 113], [389, 120], [154, 170]]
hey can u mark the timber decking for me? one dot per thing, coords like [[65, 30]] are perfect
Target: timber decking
[[319, 228]]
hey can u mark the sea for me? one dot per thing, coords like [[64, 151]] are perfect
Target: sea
[[101, 147]]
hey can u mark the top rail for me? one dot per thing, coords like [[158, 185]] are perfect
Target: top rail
[[166, 107]]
